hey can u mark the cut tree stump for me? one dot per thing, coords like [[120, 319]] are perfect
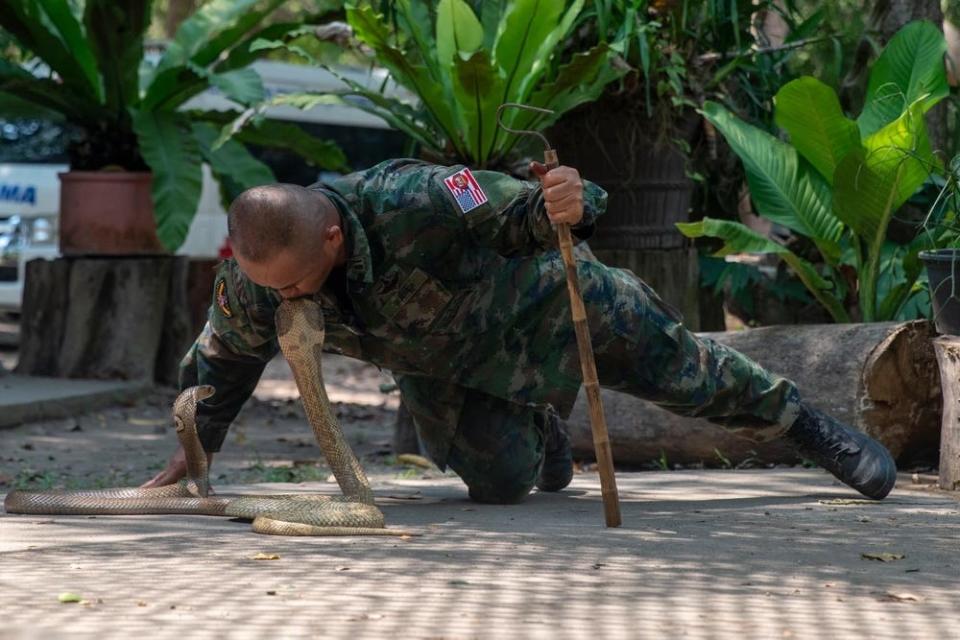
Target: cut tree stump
[[879, 377], [948, 358], [107, 317]]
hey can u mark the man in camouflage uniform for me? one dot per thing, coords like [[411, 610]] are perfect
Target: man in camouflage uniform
[[451, 280]]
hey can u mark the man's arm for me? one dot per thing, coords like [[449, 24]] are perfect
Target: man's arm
[[499, 211], [230, 355], [238, 341], [513, 219]]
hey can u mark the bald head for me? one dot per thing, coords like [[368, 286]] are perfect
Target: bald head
[[264, 221]]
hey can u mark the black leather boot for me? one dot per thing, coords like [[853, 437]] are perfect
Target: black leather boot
[[557, 471], [853, 457]]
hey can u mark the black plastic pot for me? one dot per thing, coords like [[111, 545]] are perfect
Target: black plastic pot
[[943, 271]]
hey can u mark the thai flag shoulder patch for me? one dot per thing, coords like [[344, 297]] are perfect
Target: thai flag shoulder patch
[[465, 190]]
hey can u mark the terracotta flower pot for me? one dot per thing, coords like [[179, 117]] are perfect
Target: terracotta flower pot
[[107, 213]]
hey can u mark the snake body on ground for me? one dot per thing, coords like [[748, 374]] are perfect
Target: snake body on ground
[[300, 332]]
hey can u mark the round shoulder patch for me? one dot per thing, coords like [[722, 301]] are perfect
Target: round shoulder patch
[[222, 300]]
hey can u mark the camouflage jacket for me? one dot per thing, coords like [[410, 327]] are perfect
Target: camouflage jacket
[[439, 283]]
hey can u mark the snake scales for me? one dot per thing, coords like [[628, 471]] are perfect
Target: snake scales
[[300, 331]]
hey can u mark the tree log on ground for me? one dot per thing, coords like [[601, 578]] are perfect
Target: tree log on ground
[[880, 377], [111, 317]]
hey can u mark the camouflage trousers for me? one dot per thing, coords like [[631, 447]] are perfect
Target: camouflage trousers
[[497, 446]]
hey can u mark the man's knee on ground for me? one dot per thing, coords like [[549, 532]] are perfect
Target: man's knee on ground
[[506, 488], [500, 476]]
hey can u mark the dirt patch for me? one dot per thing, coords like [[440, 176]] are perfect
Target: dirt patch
[[270, 441]]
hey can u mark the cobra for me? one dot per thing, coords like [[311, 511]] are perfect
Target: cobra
[[300, 331]]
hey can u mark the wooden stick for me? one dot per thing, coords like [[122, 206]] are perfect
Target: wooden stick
[[591, 383]]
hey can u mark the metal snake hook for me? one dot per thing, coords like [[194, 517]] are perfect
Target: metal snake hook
[[527, 132]]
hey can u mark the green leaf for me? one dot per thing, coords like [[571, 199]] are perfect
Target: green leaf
[[785, 189], [51, 31], [230, 29], [323, 154], [491, 11], [200, 35], [910, 66], [526, 24], [740, 239], [241, 85], [872, 182], [172, 153], [438, 104], [478, 88], [47, 94], [810, 112], [415, 17], [233, 166], [580, 80], [115, 30], [200, 41], [458, 30], [13, 106], [548, 46]]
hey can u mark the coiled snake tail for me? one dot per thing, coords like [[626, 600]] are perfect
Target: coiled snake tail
[[300, 333]]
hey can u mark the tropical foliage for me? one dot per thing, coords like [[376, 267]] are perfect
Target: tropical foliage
[[840, 181], [126, 108], [686, 52], [461, 65]]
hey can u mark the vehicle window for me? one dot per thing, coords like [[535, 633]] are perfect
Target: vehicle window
[[32, 140]]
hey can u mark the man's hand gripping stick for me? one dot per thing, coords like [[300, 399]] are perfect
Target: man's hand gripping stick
[[588, 366]]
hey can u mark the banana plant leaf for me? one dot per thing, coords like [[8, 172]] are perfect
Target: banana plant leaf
[[910, 66], [810, 112], [785, 187], [741, 239]]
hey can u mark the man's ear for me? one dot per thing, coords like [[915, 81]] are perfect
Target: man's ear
[[334, 234]]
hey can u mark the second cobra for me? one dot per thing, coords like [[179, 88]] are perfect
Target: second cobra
[[300, 331]]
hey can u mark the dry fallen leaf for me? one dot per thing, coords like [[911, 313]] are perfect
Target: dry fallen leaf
[[66, 596], [147, 422], [901, 596], [883, 557], [265, 556], [414, 495], [415, 460]]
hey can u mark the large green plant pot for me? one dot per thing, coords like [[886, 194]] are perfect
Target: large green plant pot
[[943, 272], [107, 213]]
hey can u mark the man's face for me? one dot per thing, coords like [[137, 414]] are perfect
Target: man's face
[[296, 272]]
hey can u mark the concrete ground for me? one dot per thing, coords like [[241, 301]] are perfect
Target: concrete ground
[[701, 554], [765, 553]]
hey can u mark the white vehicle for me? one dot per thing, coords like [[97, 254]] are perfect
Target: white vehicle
[[30, 192]]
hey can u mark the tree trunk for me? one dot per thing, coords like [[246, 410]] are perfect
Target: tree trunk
[[880, 377], [948, 358], [177, 12], [104, 318]]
